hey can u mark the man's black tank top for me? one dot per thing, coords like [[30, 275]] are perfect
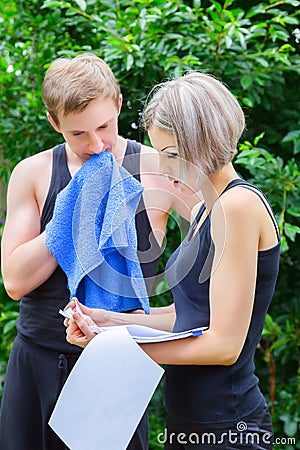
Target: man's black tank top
[[39, 319], [214, 395], [149, 250]]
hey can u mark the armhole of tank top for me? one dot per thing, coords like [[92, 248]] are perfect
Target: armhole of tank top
[[54, 151], [191, 231], [265, 202], [198, 216], [131, 145]]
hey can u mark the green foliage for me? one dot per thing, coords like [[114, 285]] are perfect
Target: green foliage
[[157, 418], [279, 181], [253, 46]]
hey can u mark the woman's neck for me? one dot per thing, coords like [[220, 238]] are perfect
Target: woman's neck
[[213, 185]]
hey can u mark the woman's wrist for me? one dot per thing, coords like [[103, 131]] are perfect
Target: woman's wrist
[[105, 318], [116, 318]]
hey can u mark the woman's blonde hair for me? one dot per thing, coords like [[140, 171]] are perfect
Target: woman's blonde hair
[[71, 84], [204, 117]]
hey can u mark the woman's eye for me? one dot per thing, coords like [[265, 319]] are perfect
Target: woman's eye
[[172, 155]]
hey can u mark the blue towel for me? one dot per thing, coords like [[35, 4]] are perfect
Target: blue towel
[[93, 237]]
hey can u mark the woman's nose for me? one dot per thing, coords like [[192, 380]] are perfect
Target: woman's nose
[[164, 166]]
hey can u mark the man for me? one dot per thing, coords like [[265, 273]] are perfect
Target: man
[[83, 102]]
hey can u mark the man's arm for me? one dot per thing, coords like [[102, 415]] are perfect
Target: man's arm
[[25, 260]]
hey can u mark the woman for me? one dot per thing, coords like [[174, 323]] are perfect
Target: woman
[[222, 275]]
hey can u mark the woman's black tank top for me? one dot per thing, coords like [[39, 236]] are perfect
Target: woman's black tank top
[[215, 395], [39, 319]]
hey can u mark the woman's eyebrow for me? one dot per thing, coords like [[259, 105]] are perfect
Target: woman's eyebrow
[[169, 146]]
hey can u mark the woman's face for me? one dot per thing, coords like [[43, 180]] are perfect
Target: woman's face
[[171, 165]]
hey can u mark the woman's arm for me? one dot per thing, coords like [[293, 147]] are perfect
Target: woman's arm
[[163, 309], [232, 288], [163, 320], [79, 330]]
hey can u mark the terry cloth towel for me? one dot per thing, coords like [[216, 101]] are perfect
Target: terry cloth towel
[[93, 237]]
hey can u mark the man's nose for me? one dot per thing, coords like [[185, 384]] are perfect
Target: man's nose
[[95, 143]]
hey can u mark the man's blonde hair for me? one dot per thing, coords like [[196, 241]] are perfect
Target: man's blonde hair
[[71, 84], [204, 117]]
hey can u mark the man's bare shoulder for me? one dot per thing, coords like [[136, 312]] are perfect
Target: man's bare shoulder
[[148, 149], [31, 176], [37, 162]]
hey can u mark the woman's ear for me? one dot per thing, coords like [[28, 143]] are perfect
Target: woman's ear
[[53, 123]]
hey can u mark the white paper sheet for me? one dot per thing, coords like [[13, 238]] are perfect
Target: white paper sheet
[[106, 393], [146, 335]]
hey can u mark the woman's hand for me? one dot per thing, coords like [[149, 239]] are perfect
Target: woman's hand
[[78, 329], [101, 317]]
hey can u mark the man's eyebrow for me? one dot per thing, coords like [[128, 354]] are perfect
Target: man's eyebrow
[[99, 126]]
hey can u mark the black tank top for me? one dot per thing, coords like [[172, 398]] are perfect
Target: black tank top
[[39, 319], [215, 395], [149, 250]]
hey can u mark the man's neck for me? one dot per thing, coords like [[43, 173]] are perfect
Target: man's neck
[[120, 149]]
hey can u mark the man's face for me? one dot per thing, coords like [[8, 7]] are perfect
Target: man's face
[[92, 130]]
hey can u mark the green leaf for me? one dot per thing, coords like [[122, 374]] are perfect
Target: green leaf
[[284, 245], [290, 428], [228, 41], [54, 4], [197, 4], [246, 81], [129, 61], [11, 325], [248, 102], [291, 20], [291, 231], [262, 61], [280, 344], [81, 4], [258, 9], [271, 327], [294, 212], [291, 136], [297, 147], [294, 3], [258, 138]]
